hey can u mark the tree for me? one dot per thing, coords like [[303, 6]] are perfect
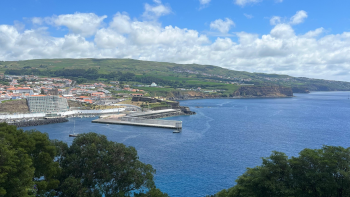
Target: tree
[[16, 171], [316, 172], [35, 150], [33, 165], [96, 166]]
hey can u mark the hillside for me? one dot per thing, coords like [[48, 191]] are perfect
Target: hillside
[[14, 106], [167, 74]]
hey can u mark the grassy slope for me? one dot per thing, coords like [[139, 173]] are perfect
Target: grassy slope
[[123, 65], [166, 70]]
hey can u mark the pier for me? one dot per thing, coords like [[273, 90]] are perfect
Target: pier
[[147, 119], [169, 124]]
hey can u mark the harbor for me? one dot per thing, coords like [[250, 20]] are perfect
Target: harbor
[[147, 119]]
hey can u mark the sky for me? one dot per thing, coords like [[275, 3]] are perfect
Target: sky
[[302, 38]]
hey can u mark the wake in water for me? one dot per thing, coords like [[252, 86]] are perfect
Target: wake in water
[[221, 104]]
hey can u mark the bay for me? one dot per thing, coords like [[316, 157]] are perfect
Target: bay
[[225, 137]]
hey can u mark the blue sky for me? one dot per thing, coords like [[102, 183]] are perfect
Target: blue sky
[[296, 37]]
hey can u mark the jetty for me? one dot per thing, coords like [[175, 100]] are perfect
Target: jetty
[[147, 119]]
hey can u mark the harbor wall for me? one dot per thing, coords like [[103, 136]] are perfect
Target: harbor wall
[[68, 113], [29, 123]]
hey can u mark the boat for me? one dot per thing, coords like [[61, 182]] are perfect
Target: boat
[[74, 134], [177, 131]]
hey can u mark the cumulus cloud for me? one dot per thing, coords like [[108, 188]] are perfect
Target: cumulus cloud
[[299, 17], [275, 20], [280, 51], [222, 25], [156, 11], [85, 24], [245, 2], [314, 33]]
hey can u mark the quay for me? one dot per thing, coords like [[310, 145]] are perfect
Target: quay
[[147, 119], [168, 124]]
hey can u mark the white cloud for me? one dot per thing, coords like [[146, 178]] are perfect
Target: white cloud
[[275, 20], [222, 25], [314, 33], [280, 51], [299, 17], [85, 24], [245, 2], [121, 23], [156, 11], [204, 2], [249, 16], [37, 21]]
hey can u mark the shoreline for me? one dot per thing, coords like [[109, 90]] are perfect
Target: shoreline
[[238, 97]]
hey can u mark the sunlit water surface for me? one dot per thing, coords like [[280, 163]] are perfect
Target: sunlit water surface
[[225, 137]]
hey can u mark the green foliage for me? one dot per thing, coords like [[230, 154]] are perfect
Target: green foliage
[[37, 152], [33, 165], [16, 171], [320, 172], [97, 166], [154, 192]]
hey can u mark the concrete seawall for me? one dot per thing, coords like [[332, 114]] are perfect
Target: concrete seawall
[[37, 122], [147, 119]]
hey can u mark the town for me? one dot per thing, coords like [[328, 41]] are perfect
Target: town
[[98, 93]]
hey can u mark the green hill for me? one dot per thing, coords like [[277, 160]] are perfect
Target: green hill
[[167, 74]]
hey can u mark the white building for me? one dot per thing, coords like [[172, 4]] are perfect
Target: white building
[[47, 104], [154, 85], [25, 90]]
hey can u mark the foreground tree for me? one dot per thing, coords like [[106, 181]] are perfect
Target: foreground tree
[[37, 151], [33, 165], [16, 171], [96, 166], [320, 172]]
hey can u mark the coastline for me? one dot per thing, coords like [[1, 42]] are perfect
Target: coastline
[[237, 97]]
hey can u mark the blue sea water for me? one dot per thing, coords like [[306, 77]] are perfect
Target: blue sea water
[[225, 137]]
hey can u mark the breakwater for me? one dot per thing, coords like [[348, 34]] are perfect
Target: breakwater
[[161, 114], [36, 122], [147, 119]]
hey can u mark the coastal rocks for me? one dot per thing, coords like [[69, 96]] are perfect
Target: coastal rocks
[[263, 91], [29, 123], [300, 90]]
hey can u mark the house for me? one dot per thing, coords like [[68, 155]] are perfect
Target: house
[[114, 82], [98, 94], [154, 85], [136, 95], [21, 90]]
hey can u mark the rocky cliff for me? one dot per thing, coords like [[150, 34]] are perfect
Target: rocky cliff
[[263, 91], [300, 90]]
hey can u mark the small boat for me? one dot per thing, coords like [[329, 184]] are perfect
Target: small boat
[[176, 131], [74, 134]]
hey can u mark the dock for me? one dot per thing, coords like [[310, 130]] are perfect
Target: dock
[[168, 124], [146, 119]]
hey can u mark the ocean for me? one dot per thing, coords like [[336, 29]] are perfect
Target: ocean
[[225, 137]]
